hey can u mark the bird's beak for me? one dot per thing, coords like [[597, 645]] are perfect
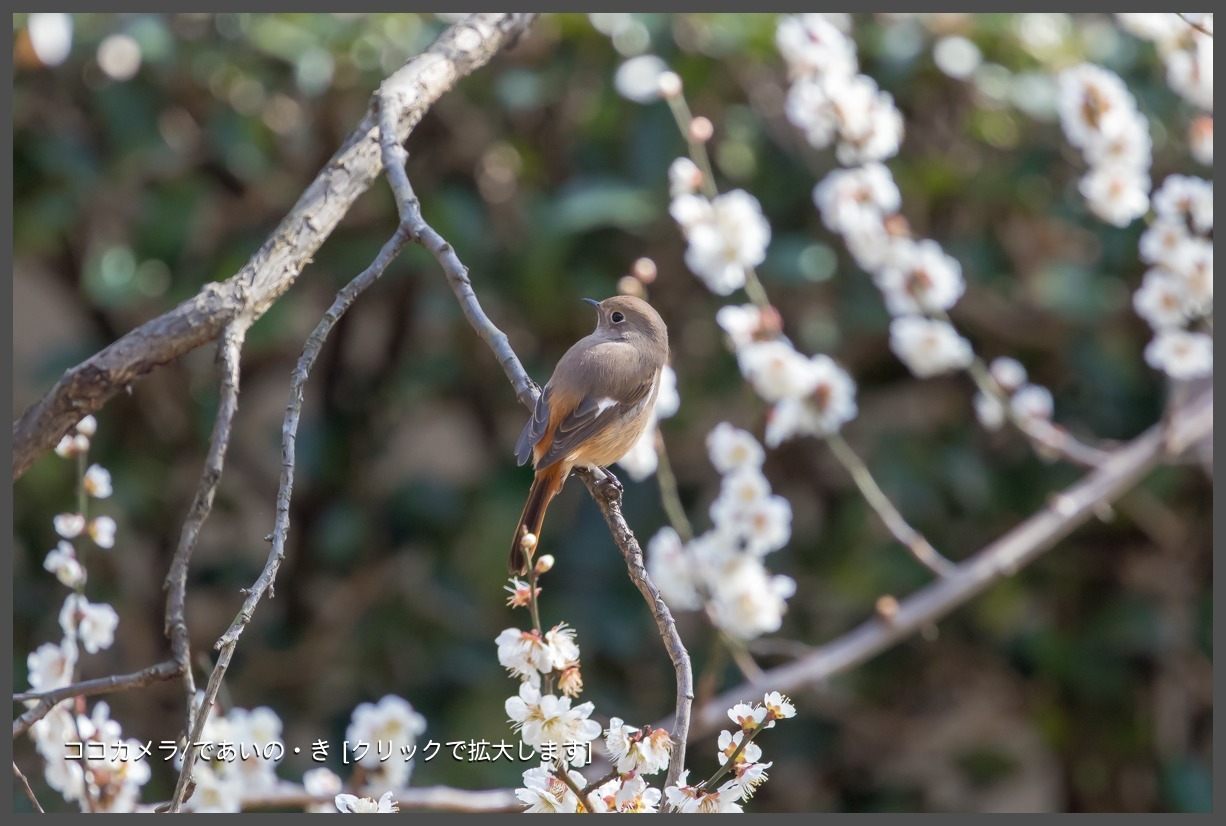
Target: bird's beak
[[592, 301]]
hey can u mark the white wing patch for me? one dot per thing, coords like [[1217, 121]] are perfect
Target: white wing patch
[[604, 404]]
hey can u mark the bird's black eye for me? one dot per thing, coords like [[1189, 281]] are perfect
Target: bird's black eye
[[618, 318]]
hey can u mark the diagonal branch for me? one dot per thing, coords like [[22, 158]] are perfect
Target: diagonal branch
[[47, 700], [175, 624], [1004, 557], [273, 268]]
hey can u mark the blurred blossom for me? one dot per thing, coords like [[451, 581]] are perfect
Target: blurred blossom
[[97, 482], [51, 36], [1159, 27], [956, 56], [1032, 402], [919, 278], [1200, 140], [62, 561], [731, 448], [1161, 300], [642, 460], [823, 412], [989, 411], [672, 571], [321, 782], [638, 79], [93, 624], [775, 370], [1034, 93], [1181, 354], [69, 525], [1008, 372], [747, 601], [50, 666], [102, 531], [214, 792], [725, 235], [928, 347], [684, 177], [119, 56], [1043, 34], [392, 720], [313, 71], [853, 200], [1183, 198], [1186, 52], [1117, 194], [742, 323], [813, 45]]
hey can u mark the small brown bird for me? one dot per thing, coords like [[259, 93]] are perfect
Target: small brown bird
[[593, 409]]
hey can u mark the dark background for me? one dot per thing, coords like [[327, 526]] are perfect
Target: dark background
[[1081, 684]]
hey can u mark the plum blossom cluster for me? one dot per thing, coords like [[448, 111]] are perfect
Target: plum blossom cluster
[[722, 570], [1029, 404], [1176, 293], [91, 774], [739, 757], [242, 763], [1186, 52], [546, 721], [917, 279], [642, 460], [829, 100], [809, 395], [1099, 117], [725, 234]]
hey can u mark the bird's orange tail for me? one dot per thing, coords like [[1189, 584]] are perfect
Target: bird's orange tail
[[545, 486]]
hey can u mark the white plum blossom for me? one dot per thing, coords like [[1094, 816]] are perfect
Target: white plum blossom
[[630, 750], [62, 561], [990, 412], [88, 426], [93, 624], [1008, 372], [778, 706], [1163, 240], [1161, 300], [349, 803], [688, 799], [543, 792], [672, 571], [814, 45], [1186, 200], [747, 601], [1200, 140], [856, 200], [97, 482], [725, 235], [68, 525], [526, 655], [1181, 354], [1116, 193], [920, 278], [731, 448], [638, 79], [101, 529], [776, 370], [50, 666], [215, 792], [550, 719], [684, 177], [824, 411], [729, 742], [1032, 402], [392, 720], [321, 782], [929, 347]]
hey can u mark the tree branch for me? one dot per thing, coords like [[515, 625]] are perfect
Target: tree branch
[[47, 700], [273, 269], [175, 624], [1004, 557], [25, 784]]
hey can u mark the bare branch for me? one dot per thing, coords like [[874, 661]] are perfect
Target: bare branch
[[1200, 27], [272, 270], [1004, 557], [608, 497], [47, 700], [25, 784], [175, 625]]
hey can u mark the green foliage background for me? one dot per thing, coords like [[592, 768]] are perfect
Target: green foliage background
[[1083, 683]]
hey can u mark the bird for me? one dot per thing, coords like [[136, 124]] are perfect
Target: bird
[[593, 409]]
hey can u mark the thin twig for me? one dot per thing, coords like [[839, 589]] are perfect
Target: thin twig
[[289, 433], [1200, 27], [47, 700], [669, 495], [911, 539], [560, 772], [1004, 557], [25, 784], [175, 624]]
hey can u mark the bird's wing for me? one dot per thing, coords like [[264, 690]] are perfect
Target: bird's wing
[[592, 415], [535, 428]]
